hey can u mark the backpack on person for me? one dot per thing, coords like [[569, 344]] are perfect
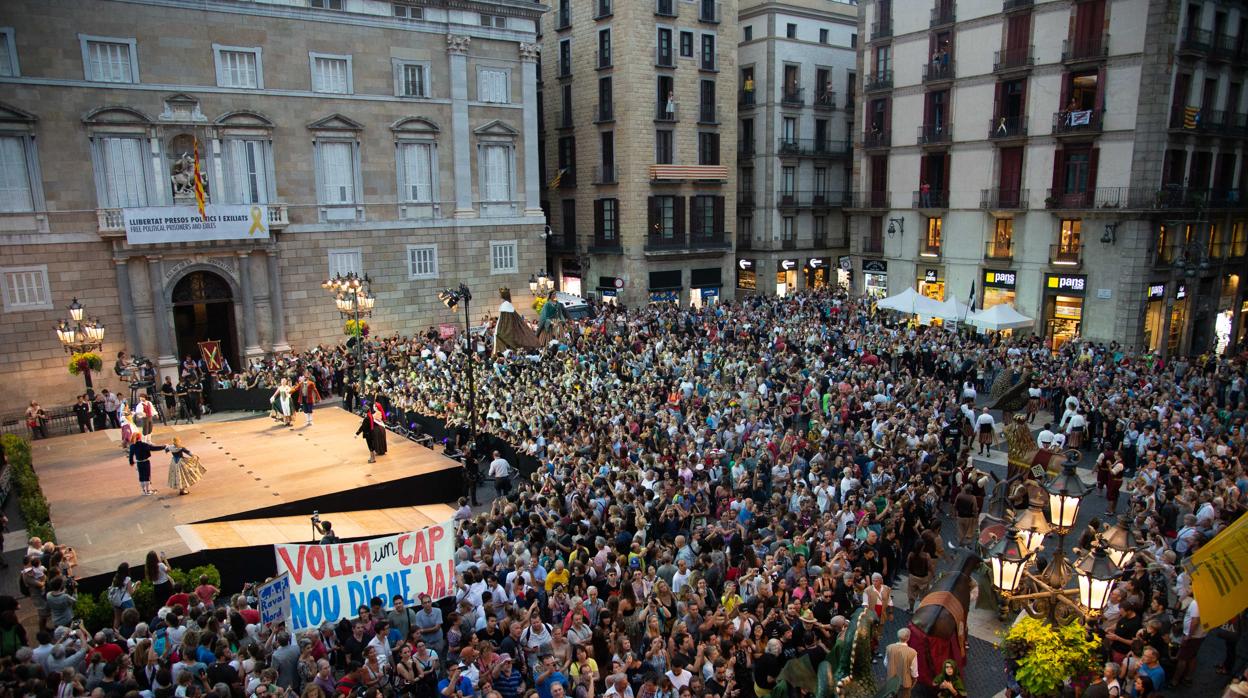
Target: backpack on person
[[116, 596]]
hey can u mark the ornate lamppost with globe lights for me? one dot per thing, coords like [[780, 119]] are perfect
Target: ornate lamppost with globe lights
[[80, 337], [1043, 593], [355, 300], [541, 283], [451, 298]]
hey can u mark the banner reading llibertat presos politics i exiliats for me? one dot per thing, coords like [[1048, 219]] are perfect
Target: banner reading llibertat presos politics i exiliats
[[329, 582]]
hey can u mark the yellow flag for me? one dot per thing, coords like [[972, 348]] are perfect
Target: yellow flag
[[1220, 575]]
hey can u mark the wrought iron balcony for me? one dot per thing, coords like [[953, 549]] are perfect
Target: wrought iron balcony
[[1078, 121], [997, 199], [999, 251], [935, 134], [878, 81], [1013, 59], [1007, 127], [940, 70], [877, 139], [1086, 49], [793, 97], [881, 30], [1066, 255], [932, 198]]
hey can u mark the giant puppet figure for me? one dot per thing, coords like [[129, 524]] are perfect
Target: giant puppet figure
[[512, 332], [938, 626]]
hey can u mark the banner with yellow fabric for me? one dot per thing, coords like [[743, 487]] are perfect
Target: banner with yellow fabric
[[1219, 573]]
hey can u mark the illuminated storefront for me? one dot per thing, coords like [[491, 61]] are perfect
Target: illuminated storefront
[[1224, 322], [817, 270], [845, 272], [1063, 307], [999, 288], [747, 277], [786, 277], [665, 286], [570, 277], [704, 286], [1178, 318], [931, 284], [875, 278], [1154, 311]]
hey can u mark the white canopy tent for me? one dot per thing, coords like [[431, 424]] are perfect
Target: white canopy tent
[[911, 301], [953, 309], [1001, 317]]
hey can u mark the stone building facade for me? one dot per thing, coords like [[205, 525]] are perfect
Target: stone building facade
[[796, 108], [639, 141], [397, 140], [1082, 160]]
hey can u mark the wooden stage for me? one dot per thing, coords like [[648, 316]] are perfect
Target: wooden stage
[[262, 485]]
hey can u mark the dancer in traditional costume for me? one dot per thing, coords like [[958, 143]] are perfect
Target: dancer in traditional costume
[[308, 395], [184, 468], [373, 429], [281, 402]]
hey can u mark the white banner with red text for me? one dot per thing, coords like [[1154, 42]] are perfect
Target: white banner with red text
[[330, 582]]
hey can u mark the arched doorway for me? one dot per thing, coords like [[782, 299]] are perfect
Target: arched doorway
[[203, 309]]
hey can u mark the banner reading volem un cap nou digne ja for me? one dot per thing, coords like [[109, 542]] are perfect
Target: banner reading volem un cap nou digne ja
[[329, 582]]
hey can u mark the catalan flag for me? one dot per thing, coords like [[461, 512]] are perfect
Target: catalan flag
[[1191, 117], [199, 185], [554, 183]]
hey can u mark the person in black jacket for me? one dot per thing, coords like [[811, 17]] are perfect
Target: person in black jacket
[[141, 458]]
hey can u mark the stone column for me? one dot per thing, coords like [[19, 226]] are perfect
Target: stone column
[[166, 359], [276, 303], [532, 178], [125, 299], [251, 340], [457, 47]]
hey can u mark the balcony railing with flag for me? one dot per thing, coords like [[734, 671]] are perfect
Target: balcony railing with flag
[[879, 81], [565, 178], [932, 198], [1078, 121], [935, 134], [112, 221], [793, 96], [815, 147], [997, 199], [1007, 127], [1014, 58], [1085, 49], [939, 70], [999, 250], [825, 99], [877, 139], [1198, 120], [1066, 255]]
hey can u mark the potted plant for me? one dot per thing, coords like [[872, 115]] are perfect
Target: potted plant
[[355, 328], [1044, 658], [85, 361]]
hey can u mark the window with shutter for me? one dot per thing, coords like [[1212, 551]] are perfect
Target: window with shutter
[[492, 87], [414, 81], [15, 193], [109, 61], [331, 74], [26, 288], [417, 159], [337, 173], [238, 67], [496, 161], [503, 257], [422, 261], [343, 262], [248, 169], [122, 161]]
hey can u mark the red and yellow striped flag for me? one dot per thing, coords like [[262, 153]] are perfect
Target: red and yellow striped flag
[[199, 185]]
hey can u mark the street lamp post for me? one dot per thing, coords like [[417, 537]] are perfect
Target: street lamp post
[[452, 297], [540, 283], [82, 336], [354, 299], [1044, 594]]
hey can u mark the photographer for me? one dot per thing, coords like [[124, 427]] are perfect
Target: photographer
[[324, 529], [61, 600]]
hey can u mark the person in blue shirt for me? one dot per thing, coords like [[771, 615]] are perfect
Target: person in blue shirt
[[548, 675], [455, 685]]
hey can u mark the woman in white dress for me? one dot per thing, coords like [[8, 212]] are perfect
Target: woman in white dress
[[281, 402]]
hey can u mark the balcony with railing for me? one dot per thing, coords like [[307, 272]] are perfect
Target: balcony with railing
[[932, 198], [877, 139], [1225, 47], [1004, 127], [746, 147], [1192, 119], [663, 113], [604, 174], [939, 70], [998, 199], [999, 250], [1195, 42], [745, 198], [793, 97], [746, 98], [112, 221], [935, 134], [694, 241], [567, 178], [604, 112], [812, 199], [665, 8], [1020, 58], [867, 199], [881, 29], [1078, 122], [878, 81], [825, 99], [1066, 255], [709, 11], [1094, 48], [943, 14], [708, 114], [813, 147], [1012, 5]]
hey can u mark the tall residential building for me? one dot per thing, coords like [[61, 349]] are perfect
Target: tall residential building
[[393, 139], [638, 126], [796, 108], [1082, 160]]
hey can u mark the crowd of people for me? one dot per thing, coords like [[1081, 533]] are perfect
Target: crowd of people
[[716, 492]]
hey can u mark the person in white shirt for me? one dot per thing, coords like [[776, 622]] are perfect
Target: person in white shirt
[[681, 578], [1075, 425], [986, 427], [500, 471], [1045, 438]]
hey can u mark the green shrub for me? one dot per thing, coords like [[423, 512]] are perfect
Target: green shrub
[[95, 612], [30, 499]]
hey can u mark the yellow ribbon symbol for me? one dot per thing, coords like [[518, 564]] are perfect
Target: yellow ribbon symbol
[[256, 224]]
